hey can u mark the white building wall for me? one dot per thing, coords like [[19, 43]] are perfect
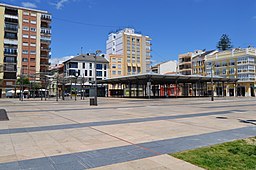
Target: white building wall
[[167, 67], [87, 67]]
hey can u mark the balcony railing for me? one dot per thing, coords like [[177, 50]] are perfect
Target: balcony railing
[[11, 20], [46, 31], [46, 17], [10, 51], [11, 27]]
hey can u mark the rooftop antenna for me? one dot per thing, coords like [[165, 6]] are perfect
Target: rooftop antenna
[[81, 50]]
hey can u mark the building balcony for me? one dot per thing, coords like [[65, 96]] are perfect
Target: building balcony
[[47, 49], [10, 76], [46, 41], [44, 64], [43, 56], [11, 28], [11, 11], [11, 20], [46, 17], [46, 31], [10, 53]]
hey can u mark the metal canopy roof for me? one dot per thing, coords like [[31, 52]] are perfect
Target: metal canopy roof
[[163, 79]]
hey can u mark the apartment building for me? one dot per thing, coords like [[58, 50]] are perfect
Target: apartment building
[[80, 70], [198, 62], [25, 38], [236, 63], [185, 62], [134, 49], [83, 66], [168, 67], [116, 63]]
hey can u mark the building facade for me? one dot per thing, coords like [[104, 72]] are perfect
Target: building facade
[[80, 71], [134, 48], [198, 62], [236, 63], [83, 66], [25, 38], [185, 62], [168, 67]]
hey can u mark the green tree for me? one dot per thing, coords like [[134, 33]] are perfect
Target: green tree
[[224, 43], [24, 81]]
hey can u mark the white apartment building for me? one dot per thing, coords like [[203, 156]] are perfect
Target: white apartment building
[[83, 66]]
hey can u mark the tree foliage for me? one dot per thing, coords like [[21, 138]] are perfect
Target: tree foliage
[[24, 81], [224, 43]]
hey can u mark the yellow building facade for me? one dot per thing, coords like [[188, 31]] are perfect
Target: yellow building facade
[[236, 63]]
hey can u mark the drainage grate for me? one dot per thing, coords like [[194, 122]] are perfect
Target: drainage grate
[[3, 115]]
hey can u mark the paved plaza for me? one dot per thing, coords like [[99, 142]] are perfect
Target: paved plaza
[[118, 134]]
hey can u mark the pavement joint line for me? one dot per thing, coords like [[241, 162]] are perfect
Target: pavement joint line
[[111, 122], [126, 141], [108, 156], [147, 149]]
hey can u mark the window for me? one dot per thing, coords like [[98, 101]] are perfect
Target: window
[[25, 35], [99, 66], [105, 66], [33, 29], [33, 14], [99, 73], [83, 65], [90, 73], [231, 71], [32, 52], [24, 51], [224, 71], [90, 66], [119, 72], [32, 44], [113, 72], [85, 72], [72, 72], [33, 36], [25, 28], [113, 66], [10, 35], [10, 59], [114, 60], [105, 74], [25, 20], [24, 60], [33, 22], [73, 65], [25, 44], [119, 66], [25, 13], [32, 59]]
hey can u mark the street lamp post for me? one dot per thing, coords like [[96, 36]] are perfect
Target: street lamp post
[[95, 77], [212, 93], [76, 75]]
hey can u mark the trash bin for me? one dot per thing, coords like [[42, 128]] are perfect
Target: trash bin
[[92, 102]]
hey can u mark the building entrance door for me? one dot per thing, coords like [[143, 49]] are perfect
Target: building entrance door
[[231, 92], [252, 92], [241, 91]]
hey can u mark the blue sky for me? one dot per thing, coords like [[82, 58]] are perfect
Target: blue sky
[[175, 26]]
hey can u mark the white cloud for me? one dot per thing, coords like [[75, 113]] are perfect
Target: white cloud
[[28, 5], [60, 4]]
